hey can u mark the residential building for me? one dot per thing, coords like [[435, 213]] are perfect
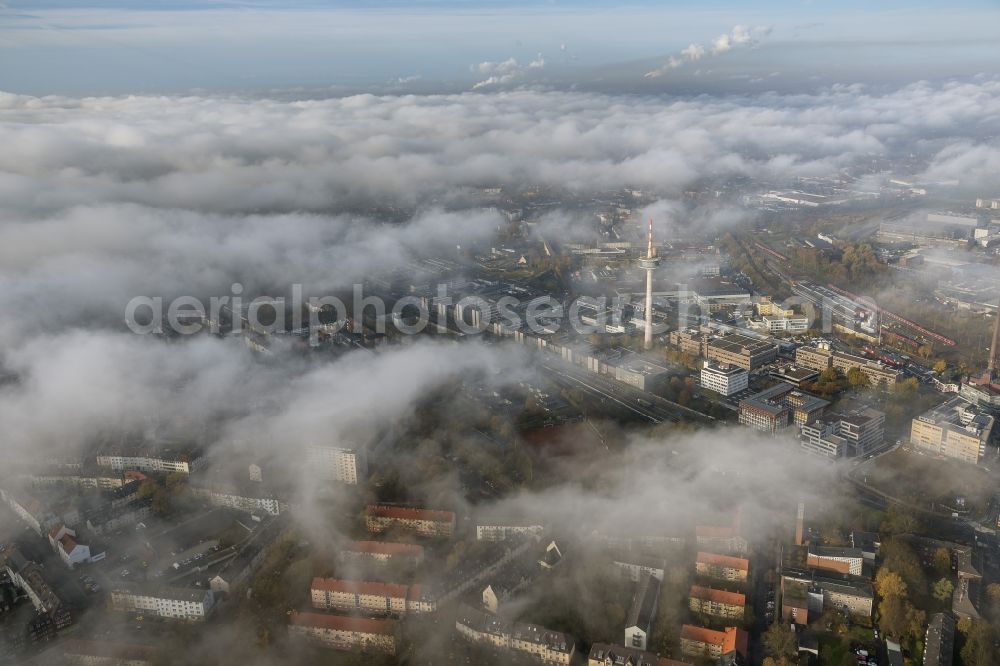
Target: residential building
[[719, 603], [723, 378], [172, 603], [346, 464], [605, 654], [162, 460], [382, 551], [722, 566], [341, 632], [503, 530], [350, 595], [840, 560], [64, 541], [426, 522], [636, 566], [251, 497], [954, 429], [841, 591], [939, 642], [729, 645], [639, 621], [539, 643], [726, 539], [741, 350]]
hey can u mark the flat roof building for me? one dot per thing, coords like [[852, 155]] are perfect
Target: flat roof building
[[723, 378], [741, 350], [954, 429]]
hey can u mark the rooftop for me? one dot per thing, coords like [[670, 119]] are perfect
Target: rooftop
[[718, 596], [342, 623], [723, 560], [409, 513]]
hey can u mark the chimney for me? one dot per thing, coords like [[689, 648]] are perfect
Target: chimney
[[800, 517]]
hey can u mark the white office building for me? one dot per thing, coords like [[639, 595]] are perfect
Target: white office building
[[724, 378]]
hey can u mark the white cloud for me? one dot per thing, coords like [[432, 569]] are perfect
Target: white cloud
[[504, 72]]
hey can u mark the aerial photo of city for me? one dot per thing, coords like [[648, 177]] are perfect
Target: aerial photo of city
[[465, 332]]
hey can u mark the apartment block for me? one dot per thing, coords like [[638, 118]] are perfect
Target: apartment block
[[344, 464], [382, 551], [345, 633], [172, 603], [529, 640], [719, 603], [722, 566], [719, 645], [504, 531], [426, 522]]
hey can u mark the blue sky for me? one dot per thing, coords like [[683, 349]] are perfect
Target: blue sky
[[54, 46]]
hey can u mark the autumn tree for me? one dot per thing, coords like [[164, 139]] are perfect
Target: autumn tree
[[942, 590], [780, 642]]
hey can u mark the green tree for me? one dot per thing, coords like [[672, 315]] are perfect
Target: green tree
[[856, 378], [942, 589], [942, 561], [829, 375]]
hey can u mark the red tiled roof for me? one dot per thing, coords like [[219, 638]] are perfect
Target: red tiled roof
[[719, 596], [729, 640], [359, 587], [68, 544], [384, 547], [724, 561], [343, 623], [702, 635], [407, 513]]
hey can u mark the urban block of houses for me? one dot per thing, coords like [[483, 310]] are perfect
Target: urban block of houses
[[539, 643], [64, 541], [719, 603], [504, 531], [727, 646], [426, 522], [342, 632], [605, 654], [382, 551], [344, 464], [190, 604], [368, 597], [725, 567]]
